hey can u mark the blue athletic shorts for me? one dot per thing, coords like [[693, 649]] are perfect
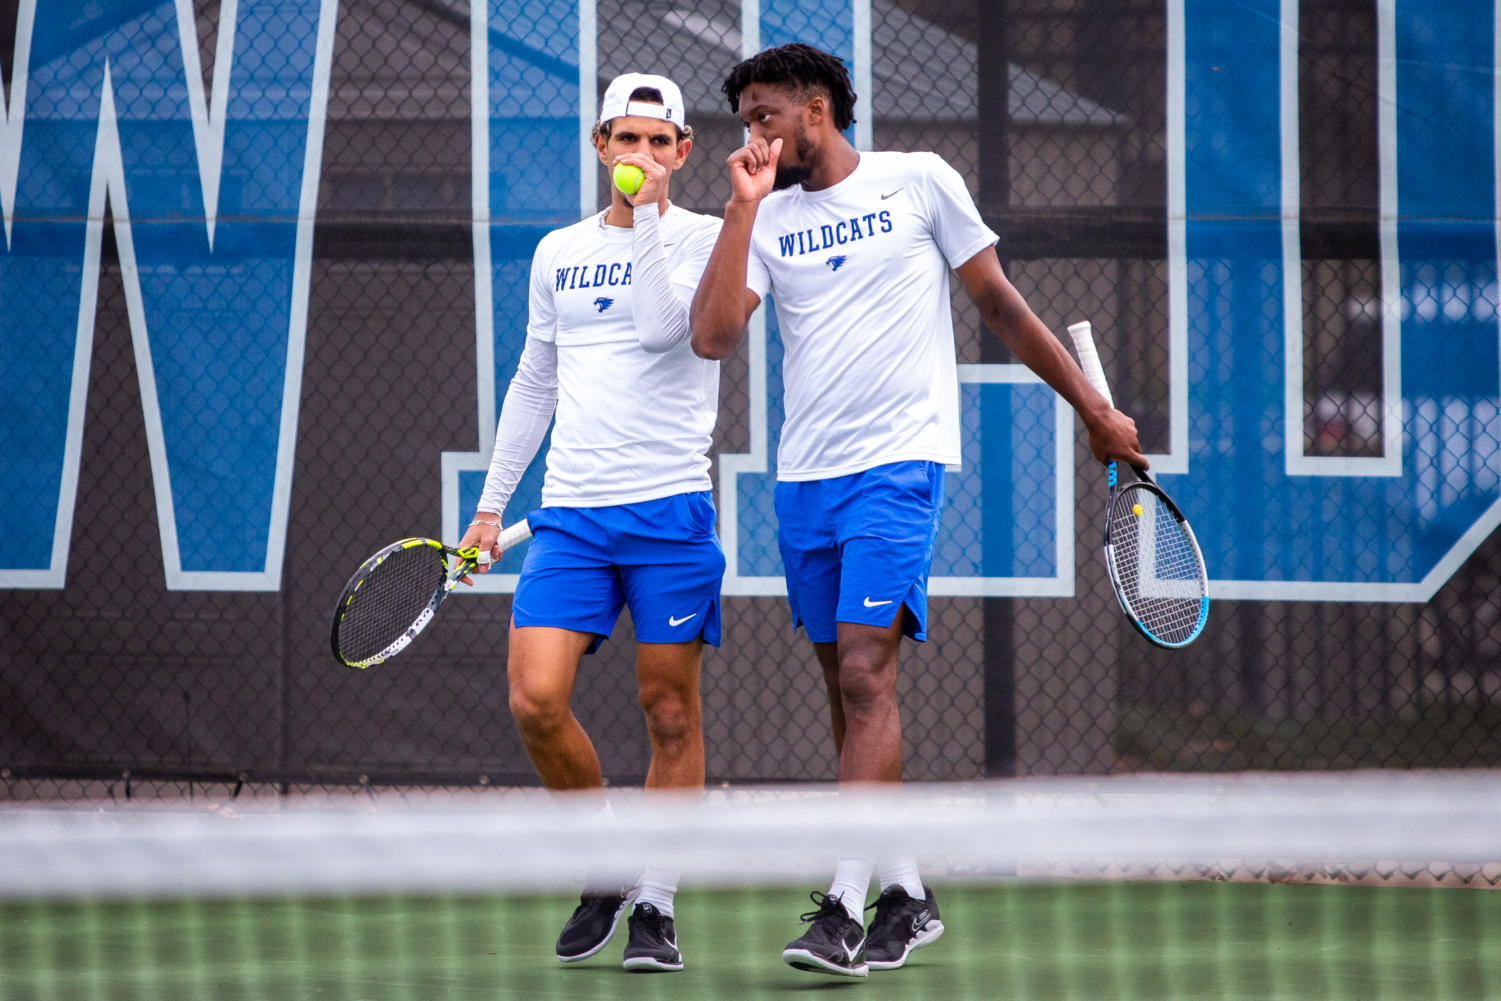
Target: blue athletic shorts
[[660, 557], [857, 548]]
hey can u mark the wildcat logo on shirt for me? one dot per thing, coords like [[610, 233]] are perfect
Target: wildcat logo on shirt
[[604, 303], [592, 276], [836, 262], [812, 240]]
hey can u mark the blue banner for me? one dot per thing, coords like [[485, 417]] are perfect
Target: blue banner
[[212, 199], [1275, 522]]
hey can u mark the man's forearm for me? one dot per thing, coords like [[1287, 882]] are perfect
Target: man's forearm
[[1036, 347], [718, 313]]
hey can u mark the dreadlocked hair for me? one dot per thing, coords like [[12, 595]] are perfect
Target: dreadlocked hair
[[802, 68]]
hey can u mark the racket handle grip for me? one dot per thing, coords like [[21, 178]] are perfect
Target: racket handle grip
[[508, 537], [514, 535], [1089, 359]]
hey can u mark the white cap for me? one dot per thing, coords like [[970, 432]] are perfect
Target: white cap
[[617, 100]]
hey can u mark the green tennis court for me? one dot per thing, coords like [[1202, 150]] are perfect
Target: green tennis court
[[1094, 941]]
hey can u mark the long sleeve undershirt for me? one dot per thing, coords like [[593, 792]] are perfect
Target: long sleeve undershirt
[[660, 313], [524, 416]]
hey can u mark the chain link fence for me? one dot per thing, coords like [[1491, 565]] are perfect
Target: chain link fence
[[1058, 114]]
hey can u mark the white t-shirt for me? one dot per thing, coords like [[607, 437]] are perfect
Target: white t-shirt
[[631, 425], [859, 274]]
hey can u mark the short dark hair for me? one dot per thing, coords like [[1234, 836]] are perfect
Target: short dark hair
[[651, 94], [800, 67]]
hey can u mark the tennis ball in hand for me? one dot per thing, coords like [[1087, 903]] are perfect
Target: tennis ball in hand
[[628, 177]]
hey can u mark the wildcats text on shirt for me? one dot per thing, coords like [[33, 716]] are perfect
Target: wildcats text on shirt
[[808, 241], [587, 276]]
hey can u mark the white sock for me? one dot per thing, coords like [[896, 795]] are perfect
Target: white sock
[[657, 887], [903, 873], [593, 882], [851, 881]]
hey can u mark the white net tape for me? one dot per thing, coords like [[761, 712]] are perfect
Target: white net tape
[[526, 839]]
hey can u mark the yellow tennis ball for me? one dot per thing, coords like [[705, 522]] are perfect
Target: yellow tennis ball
[[1136, 510], [628, 177]]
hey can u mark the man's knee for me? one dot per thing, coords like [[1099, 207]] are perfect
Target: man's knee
[[537, 710], [671, 713], [867, 673]]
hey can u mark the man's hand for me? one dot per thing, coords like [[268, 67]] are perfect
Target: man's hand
[[1112, 435], [753, 169], [482, 537], [653, 181]]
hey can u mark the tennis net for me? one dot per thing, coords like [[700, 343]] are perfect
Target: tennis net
[[1353, 885]]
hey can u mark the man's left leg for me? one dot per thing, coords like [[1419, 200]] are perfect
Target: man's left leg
[[872, 752], [888, 524], [672, 565], [857, 550], [667, 679], [667, 675]]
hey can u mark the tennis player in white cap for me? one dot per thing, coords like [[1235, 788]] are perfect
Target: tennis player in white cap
[[627, 517]]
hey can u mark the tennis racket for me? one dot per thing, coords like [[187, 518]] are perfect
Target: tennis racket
[[395, 594], [1154, 561]]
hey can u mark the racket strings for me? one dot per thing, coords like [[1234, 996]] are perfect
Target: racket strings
[[1158, 567], [389, 599]]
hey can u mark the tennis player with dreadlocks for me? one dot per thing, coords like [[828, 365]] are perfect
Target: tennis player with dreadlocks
[[627, 517], [856, 249]]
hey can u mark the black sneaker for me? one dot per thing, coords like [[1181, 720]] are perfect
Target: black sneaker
[[901, 924], [590, 927], [653, 942], [834, 944]]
